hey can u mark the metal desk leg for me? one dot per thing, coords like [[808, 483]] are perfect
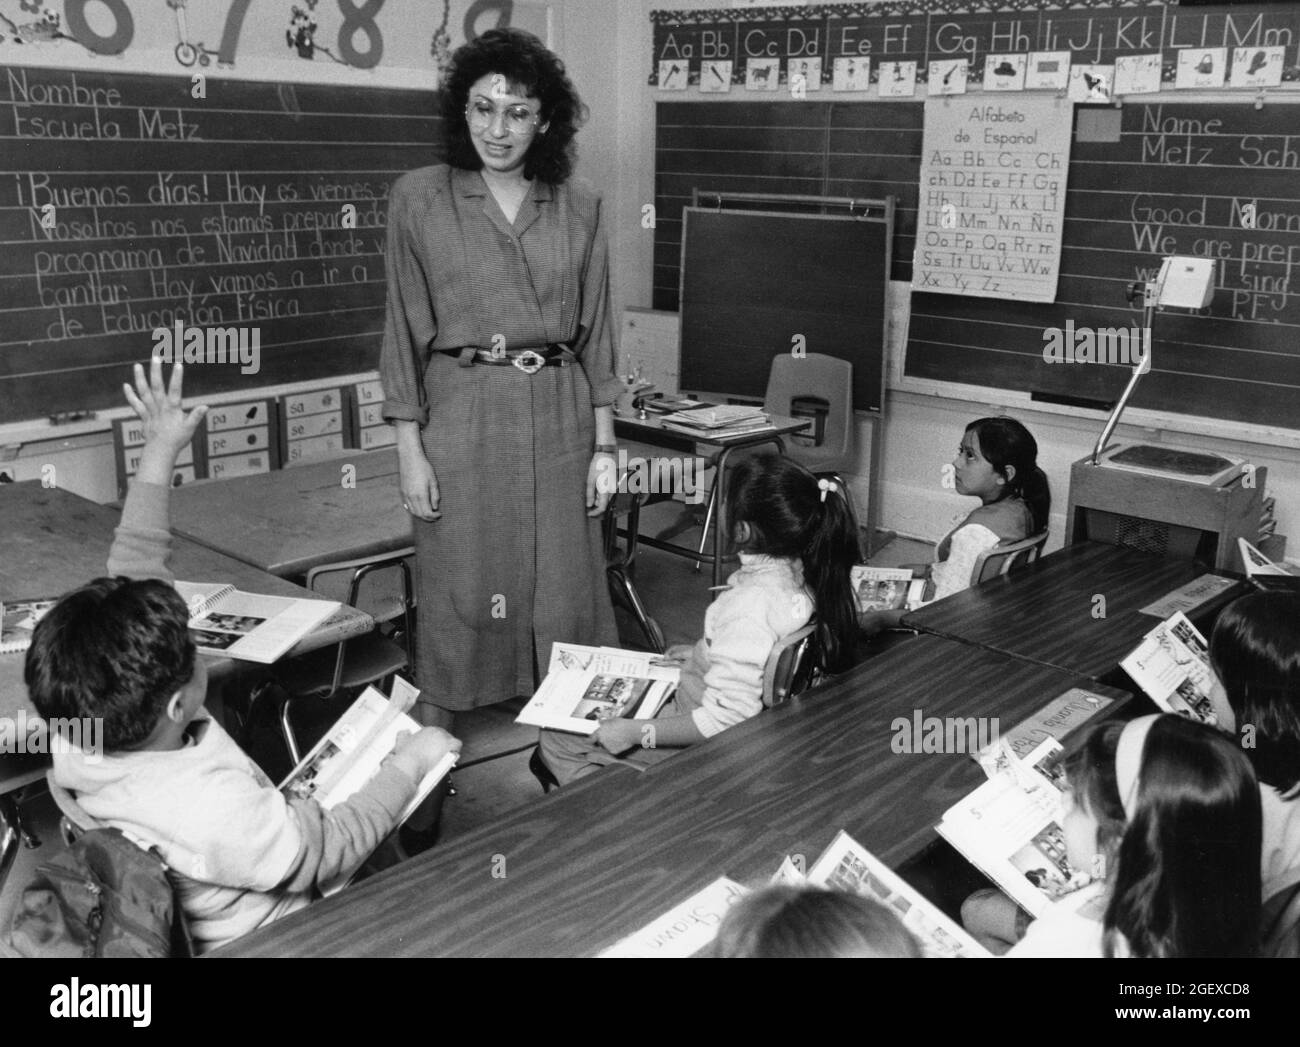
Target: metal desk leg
[[720, 509]]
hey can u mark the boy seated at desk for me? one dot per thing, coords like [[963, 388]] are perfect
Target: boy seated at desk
[[119, 649]]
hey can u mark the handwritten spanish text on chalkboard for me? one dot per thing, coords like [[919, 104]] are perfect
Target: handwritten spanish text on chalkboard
[[127, 204], [993, 186]]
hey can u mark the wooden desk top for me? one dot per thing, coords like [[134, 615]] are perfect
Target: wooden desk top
[[587, 866], [1045, 612], [56, 541], [289, 521]]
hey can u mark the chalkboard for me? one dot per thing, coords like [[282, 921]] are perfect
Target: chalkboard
[[1179, 180], [127, 204], [1182, 179], [840, 149], [756, 284]]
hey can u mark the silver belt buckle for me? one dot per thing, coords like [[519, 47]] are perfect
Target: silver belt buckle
[[529, 362]]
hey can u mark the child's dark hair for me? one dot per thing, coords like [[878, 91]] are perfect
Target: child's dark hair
[[810, 923], [530, 69], [1184, 878], [1004, 441], [1255, 652], [788, 516], [115, 649]]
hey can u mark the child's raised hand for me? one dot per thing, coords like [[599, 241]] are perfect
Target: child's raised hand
[[167, 425]]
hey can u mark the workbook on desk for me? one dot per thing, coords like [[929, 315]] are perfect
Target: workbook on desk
[[351, 753], [18, 620], [585, 685], [1172, 666], [249, 626], [1008, 828]]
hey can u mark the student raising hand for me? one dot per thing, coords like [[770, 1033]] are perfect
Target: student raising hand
[[168, 427]]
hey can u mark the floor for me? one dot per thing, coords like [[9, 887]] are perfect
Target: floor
[[493, 775]]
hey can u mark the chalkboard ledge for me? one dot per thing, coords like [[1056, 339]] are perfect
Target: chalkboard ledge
[[972, 398]]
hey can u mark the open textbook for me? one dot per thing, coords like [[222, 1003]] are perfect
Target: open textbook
[[249, 626], [18, 620], [350, 754], [685, 930], [1009, 828], [886, 588], [585, 685], [1263, 573], [1172, 665], [847, 865]]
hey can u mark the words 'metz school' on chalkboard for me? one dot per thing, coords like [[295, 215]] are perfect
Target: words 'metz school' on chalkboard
[[1216, 180], [256, 213]]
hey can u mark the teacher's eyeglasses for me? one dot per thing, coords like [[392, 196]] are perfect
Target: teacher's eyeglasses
[[518, 119]]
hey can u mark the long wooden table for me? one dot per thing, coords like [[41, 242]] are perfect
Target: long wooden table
[[572, 873], [1049, 612], [289, 521]]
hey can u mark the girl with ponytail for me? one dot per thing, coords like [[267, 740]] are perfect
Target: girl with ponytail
[[797, 544]]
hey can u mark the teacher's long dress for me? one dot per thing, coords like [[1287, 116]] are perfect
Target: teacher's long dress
[[514, 563]]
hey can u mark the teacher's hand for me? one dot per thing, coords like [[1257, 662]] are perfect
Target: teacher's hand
[[602, 482], [420, 495]]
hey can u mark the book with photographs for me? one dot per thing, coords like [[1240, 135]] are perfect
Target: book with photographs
[[683, 931], [1172, 666], [585, 685], [1009, 828], [1263, 573], [248, 626], [18, 620], [886, 588], [848, 866], [351, 753]]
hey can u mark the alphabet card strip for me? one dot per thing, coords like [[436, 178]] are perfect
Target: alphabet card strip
[[992, 197]]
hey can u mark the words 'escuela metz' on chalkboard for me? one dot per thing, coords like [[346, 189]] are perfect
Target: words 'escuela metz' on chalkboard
[[127, 204]]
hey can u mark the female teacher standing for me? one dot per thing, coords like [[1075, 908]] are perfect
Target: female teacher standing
[[498, 375]]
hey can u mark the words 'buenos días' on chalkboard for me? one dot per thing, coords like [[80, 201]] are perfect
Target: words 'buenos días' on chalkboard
[[128, 206], [992, 197]]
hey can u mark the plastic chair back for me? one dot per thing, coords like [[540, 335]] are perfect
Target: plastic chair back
[[821, 377], [1002, 559], [790, 666]]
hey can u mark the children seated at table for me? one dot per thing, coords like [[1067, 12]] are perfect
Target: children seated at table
[[1255, 654], [811, 923], [1164, 812], [797, 545], [118, 649], [997, 462]]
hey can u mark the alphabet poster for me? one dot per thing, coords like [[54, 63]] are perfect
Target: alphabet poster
[[992, 199]]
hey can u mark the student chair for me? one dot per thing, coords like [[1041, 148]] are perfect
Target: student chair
[[790, 667], [1002, 559], [381, 586], [792, 381], [818, 378], [19, 773]]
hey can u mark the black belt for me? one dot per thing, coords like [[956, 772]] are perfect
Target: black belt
[[530, 361]]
